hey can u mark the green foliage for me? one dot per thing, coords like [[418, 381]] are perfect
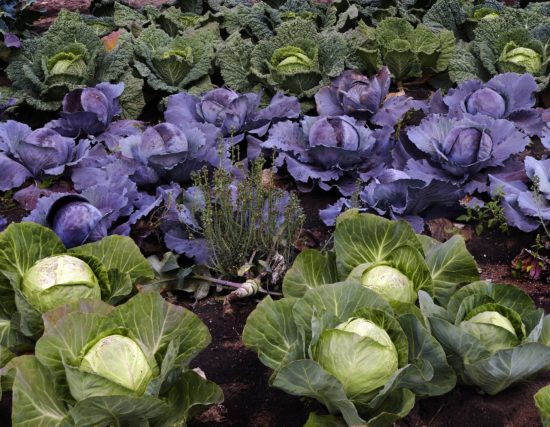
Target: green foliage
[[172, 64], [68, 56], [115, 262], [514, 40], [365, 242], [329, 345], [493, 334], [298, 60], [489, 215], [408, 51], [542, 402], [99, 365], [247, 224]]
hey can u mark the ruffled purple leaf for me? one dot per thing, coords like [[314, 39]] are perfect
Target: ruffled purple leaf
[[545, 134], [12, 173], [166, 151], [539, 171], [397, 195], [329, 214], [326, 151], [232, 113], [508, 187], [117, 131], [3, 223], [180, 220], [11, 40]]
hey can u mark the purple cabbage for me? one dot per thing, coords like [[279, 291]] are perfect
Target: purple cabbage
[[25, 153], [463, 151], [508, 96], [395, 194], [172, 153], [88, 111], [11, 40], [180, 223], [328, 151], [523, 208], [353, 94], [232, 113]]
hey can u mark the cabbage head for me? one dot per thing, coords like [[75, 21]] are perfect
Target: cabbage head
[[390, 283], [40, 274], [100, 365], [493, 334], [386, 257], [375, 356], [57, 280], [173, 64], [515, 40]]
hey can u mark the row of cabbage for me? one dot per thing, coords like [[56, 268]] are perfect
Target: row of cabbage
[[80, 360], [383, 319], [295, 46], [87, 175], [365, 329]]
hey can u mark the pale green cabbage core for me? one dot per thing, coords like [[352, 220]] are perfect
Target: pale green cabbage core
[[493, 329], [390, 283], [291, 59], [119, 359], [186, 53], [360, 354], [70, 61], [522, 57], [54, 281]]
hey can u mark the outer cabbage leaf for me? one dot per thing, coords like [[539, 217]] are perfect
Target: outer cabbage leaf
[[542, 402], [408, 51]]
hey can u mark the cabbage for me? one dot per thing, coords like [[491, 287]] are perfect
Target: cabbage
[[390, 283], [120, 360], [57, 280], [358, 353], [494, 330]]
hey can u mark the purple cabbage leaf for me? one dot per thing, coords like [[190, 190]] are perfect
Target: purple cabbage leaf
[[233, 113], [395, 194], [25, 153], [166, 151]]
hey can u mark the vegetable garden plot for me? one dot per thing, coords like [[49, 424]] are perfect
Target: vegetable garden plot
[[342, 174]]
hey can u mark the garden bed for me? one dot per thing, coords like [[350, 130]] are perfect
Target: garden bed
[[267, 148]]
